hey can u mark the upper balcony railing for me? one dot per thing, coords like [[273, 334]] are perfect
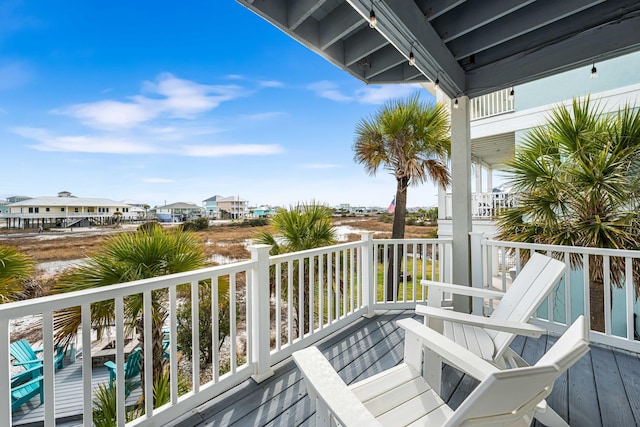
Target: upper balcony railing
[[483, 205], [492, 104], [275, 305]]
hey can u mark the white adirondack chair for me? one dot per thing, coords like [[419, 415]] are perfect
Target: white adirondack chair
[[403, 396], [489, 337]]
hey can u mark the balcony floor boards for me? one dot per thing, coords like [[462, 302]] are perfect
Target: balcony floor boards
[[602, 389]]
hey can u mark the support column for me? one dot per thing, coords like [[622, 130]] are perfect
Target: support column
[[461, 199], [489, 180], [478, 178]]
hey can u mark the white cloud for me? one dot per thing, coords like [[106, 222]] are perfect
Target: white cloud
[[270, 83], [329, 90], [231, 150], [382, 93], [235, 77], [83, 143], [166, 96], [158, 180], [46, 141], [263, 116], [319, 166]]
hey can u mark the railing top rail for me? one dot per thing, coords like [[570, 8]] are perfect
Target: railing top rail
[[560, 248], [317, 251], [427, 241], [71, 299]]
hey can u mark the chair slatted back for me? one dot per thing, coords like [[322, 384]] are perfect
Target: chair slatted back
[[529, 289], [506, 396]]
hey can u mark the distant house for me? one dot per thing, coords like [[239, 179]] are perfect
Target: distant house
[[180, 211], [263, 211], [226, 207], [139, 209], [65, 210]]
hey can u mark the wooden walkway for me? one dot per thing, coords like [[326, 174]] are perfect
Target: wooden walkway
[[602, 389], [68, 390]]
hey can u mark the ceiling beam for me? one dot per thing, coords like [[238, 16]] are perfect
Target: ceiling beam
[[469, 17], [342, 21], [383, 60], [517, 24], [435, 8], [595, 44], [608, 11], [300, 10], [361, 44]]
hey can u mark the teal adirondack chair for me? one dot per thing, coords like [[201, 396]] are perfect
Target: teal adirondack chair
[[131, 371], [27, 357], [25, 386]]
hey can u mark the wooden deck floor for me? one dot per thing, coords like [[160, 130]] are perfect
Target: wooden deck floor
[[602, 389], [68, 391]]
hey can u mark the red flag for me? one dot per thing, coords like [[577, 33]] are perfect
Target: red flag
[[392, 207]]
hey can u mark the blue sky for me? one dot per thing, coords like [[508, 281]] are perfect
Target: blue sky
[[160, 101]]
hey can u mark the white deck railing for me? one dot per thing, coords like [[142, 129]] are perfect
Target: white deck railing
[[492, 104], [483, 205], [571, 297], [311, 294], [282, 303]]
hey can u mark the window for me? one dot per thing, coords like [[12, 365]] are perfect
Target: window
[[30, 210], [46, 209], [36, 210], [61, 209], [75, 209]]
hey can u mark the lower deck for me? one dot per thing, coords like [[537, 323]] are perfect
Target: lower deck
[[602, 389]]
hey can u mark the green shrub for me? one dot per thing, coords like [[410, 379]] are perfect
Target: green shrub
[[148, 227]]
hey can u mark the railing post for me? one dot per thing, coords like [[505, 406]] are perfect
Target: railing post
[[260, 322], [476, 269], [368, 282]]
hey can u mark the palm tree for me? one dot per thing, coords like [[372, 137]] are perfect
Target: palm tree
[[127, 257], [577, 181], [301, 227], [15, 268], [409, 139]]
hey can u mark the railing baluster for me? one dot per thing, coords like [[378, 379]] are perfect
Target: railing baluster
[[290, 306], [312, 290], [148, 352], [5, 372], [233, 325], [195, 336], [345, 293], [173, 341], [629, 297], [301, 331], [321, 320], [215, 330], [278, 306], [86, 364], [567, 290], [606, 274], [329, 288], [352, 268], [49, 369], [120, 398]]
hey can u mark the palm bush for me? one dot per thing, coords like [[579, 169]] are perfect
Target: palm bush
[[15, 268], [410, 140], [301, 227], [125, 258], [577, 181]]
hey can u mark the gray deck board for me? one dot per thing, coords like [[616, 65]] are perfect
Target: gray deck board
[[376, 344], [68, 392], [602, 389]]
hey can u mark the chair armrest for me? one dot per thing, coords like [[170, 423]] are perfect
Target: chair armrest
[[517, 328], [462, 290], [22, 385], [327, 385], [453, 353], [22, 375], [110, 365], [28, 362]]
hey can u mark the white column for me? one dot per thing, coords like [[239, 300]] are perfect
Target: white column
[[478, 178], [489, 180], [260, 321], [368, 290], [442, 202], [461, 195]]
